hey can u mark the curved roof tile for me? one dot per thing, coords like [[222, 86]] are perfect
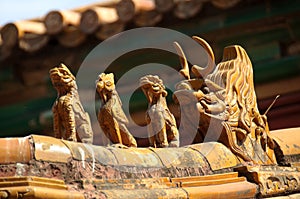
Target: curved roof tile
[[70, 27]]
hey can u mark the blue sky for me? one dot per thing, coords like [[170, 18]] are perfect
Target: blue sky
[[15, 10]]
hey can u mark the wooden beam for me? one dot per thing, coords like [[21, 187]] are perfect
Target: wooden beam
[[147, 15], [144, 5], [164, 5], [185, 9], [4, 52], [15, 93], [35, 77], [55, 21], [293, 48], [147, 18], [125, 10], [33, 42], [71, 37], [283, 87], [108, 30], [241, 18], [12, 32], [93, 17], [286, 111], [274, 70], [224, 4]]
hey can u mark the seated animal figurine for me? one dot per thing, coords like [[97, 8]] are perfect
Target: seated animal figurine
[[71, 122], [111, 117], [162, 127]]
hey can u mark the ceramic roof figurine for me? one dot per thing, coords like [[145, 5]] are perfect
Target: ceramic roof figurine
[[70, 120], [226, 97], [162, 127], [111, 116]]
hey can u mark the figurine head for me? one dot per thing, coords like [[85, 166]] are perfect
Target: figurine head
[[62, 78], [105, 83], [152, 87]]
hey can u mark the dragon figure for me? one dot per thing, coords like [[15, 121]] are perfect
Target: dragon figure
[[111, 117], [71, 122], [225, 99], [162, 127]]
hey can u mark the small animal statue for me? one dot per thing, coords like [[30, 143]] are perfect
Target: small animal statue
[[71, 122], [111, 117], [162, 127], [226, 102]]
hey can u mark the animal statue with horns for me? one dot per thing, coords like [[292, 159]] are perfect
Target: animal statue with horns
[[225, 100]]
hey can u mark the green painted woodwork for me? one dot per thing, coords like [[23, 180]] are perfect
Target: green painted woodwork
[[23, 117], [263, 45], [277, 69], [237, 17]]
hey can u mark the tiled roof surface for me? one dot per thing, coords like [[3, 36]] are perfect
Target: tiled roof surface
[[71, 27], [206, 170]]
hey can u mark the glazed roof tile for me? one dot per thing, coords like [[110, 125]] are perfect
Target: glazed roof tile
[[102, 19]]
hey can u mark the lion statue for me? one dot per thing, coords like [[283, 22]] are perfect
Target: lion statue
[[161, 123], [71, 122], [226, 101], [111, 117]]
